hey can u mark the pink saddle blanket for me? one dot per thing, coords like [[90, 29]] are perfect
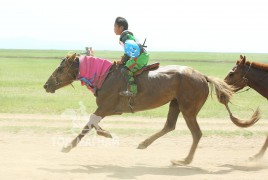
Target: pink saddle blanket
[[93, 71]]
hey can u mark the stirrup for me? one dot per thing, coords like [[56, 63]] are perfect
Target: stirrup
[[127, 93]]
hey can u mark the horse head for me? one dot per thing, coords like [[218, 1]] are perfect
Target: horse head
[[237, 76], [64, 74]]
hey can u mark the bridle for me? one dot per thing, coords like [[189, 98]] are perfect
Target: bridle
[[245, 81], [244, 77], [68, 73]]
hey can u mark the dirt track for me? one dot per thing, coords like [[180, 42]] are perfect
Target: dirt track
[[33, 155]]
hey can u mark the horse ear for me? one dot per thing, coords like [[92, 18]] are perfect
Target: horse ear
[[243, 61], [240, 60], [72, 57]]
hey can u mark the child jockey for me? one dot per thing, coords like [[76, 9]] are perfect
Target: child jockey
[[135, 57]]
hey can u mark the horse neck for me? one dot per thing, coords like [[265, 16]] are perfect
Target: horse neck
[[75, 68], [257, 80]]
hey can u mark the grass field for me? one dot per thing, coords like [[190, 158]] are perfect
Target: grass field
[[23, 73]]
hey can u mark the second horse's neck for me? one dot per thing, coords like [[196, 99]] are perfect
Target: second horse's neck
[[258, 80]]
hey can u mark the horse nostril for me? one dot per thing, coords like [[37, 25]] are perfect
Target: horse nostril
[[45, 86]]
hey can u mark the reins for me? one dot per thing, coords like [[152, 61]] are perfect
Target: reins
[[243, 90]]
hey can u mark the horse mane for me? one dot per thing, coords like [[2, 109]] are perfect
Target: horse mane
[[256, 65]]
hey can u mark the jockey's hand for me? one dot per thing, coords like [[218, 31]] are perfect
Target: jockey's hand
[[124, 59]]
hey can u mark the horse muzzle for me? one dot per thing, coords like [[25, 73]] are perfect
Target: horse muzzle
[[48, 88]]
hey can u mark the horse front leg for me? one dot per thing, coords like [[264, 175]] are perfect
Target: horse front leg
[[92, 123]]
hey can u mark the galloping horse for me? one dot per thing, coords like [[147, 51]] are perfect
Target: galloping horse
[[184, 88], [254, 75]]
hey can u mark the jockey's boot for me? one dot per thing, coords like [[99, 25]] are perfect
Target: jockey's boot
[[130, 92], [132, 89]]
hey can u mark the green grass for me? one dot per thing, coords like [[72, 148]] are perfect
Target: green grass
[[22, 80], [154, 56], [207, 56]]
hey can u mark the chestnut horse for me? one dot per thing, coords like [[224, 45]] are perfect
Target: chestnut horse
[[254, 75], [185, 89]]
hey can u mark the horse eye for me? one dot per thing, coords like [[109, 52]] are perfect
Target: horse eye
[[60, 69], [231, 74]]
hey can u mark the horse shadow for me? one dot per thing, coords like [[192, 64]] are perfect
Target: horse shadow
[[133, 172], [254, 167]]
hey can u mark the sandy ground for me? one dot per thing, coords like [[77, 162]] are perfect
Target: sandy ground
[[33, 155]]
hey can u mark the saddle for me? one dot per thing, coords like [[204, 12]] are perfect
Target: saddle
[[149, 67]]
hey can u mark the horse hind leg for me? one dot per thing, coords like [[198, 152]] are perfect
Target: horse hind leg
[[196, 134], [260, 154], [170, 125]]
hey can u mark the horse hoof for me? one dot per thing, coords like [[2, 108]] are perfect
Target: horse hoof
[[141, 146], [66, 149], [179, 163], [104, 133], [255, 158]]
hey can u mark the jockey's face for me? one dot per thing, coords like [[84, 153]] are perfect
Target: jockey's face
[[118, 29]]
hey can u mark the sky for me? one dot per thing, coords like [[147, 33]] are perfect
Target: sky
[[168, 25]]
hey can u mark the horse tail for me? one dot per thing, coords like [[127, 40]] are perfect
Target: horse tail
[[224, 92]]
